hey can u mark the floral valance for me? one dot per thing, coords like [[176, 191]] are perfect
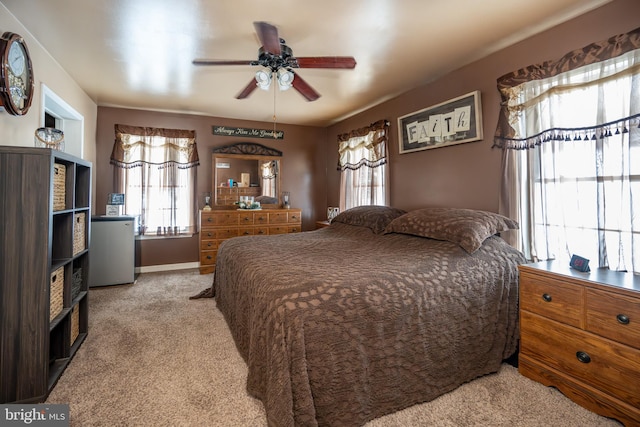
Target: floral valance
[[135, 146], [364, 147], [524, 90]]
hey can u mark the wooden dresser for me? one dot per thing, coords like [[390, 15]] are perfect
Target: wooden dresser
[[218, 225], [580, 333]]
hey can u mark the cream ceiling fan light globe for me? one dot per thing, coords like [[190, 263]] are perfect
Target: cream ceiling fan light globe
[[263, 80], [285, 79]]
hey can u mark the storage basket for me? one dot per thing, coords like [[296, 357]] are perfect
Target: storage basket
[[78, 232], [76, 283], [75, 323], [56, 292], [59, 179]]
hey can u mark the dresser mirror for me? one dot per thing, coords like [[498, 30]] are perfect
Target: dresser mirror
[[246, 170]]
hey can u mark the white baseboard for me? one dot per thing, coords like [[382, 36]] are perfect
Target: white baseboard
[[167, 267]]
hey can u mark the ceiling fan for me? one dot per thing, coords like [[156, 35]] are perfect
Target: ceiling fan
[[278, 59]]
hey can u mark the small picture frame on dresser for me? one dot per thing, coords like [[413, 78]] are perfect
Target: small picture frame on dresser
[[579, 263]]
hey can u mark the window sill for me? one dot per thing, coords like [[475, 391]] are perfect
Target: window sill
[[154, 237]]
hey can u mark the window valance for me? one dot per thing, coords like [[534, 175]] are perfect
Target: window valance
[[364, 147], [534, 91], [135, 146]]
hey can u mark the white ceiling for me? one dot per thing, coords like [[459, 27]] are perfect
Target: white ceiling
[[138, 53]]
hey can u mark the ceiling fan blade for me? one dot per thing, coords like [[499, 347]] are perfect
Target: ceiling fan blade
[[268, 35], [221, 62], [305, 90], [326, 62], [247, 90]]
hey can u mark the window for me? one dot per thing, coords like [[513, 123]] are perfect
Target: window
[[156, 171], [575, 171], [363, 166]]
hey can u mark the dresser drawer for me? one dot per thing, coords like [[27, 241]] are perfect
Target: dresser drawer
[[226, 233], [614, 316], [207, 219], [227, 218], [278, 217], [207, 234], [294, 217], [552, 298], [246, 231], [294, 229], [219, 233], [281, 229], [208, 257], [208, 245], [217, 218], [606, 365], [261, 218], [245, 218], [261, 231]]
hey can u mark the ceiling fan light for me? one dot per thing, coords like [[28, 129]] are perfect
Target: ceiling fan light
[[285, 78], [263, 79]]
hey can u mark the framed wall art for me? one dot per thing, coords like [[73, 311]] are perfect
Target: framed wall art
[[452, 122]]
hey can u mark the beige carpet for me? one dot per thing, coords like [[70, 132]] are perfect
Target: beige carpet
[[155, 358]]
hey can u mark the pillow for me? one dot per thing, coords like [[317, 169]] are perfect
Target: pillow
[[266, 200], [374, 217], [465, 227]]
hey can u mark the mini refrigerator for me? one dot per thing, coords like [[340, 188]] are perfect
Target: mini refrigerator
[[112, 250]]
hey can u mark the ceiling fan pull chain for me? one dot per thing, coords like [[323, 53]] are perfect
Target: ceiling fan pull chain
[[274, 112]]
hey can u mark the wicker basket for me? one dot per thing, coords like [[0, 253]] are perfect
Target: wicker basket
[[79, 220], [75, 323], [56, 292], [59, 179]]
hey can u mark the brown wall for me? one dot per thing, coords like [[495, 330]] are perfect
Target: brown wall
[[303, 169], [468, 175]]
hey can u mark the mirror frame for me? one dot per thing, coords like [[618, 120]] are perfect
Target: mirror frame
[[246, 151]]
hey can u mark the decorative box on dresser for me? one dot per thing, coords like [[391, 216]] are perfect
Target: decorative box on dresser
[[218, 225], [44, 268], [580, 333]]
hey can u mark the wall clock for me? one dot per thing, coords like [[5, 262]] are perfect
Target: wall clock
[[16, 74]]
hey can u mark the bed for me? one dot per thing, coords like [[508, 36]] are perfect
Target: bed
[[379, 311]]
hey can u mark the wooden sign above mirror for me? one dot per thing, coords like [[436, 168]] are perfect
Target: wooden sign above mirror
[[246, 169]]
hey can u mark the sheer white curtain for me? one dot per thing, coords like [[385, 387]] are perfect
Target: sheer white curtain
[[268, 174], [363, 165], [571, 168], [156, 170]]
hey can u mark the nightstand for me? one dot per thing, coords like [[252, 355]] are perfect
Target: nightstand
[[580, 333], [322, 224]]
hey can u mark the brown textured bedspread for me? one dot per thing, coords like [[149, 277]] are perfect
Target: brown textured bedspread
[[339, 326]]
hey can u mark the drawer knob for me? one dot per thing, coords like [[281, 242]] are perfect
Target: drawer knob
[[209, 257], [261, 232], [583, 357], [546, 297], [210, 219], [246, 233], [624, 319]]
